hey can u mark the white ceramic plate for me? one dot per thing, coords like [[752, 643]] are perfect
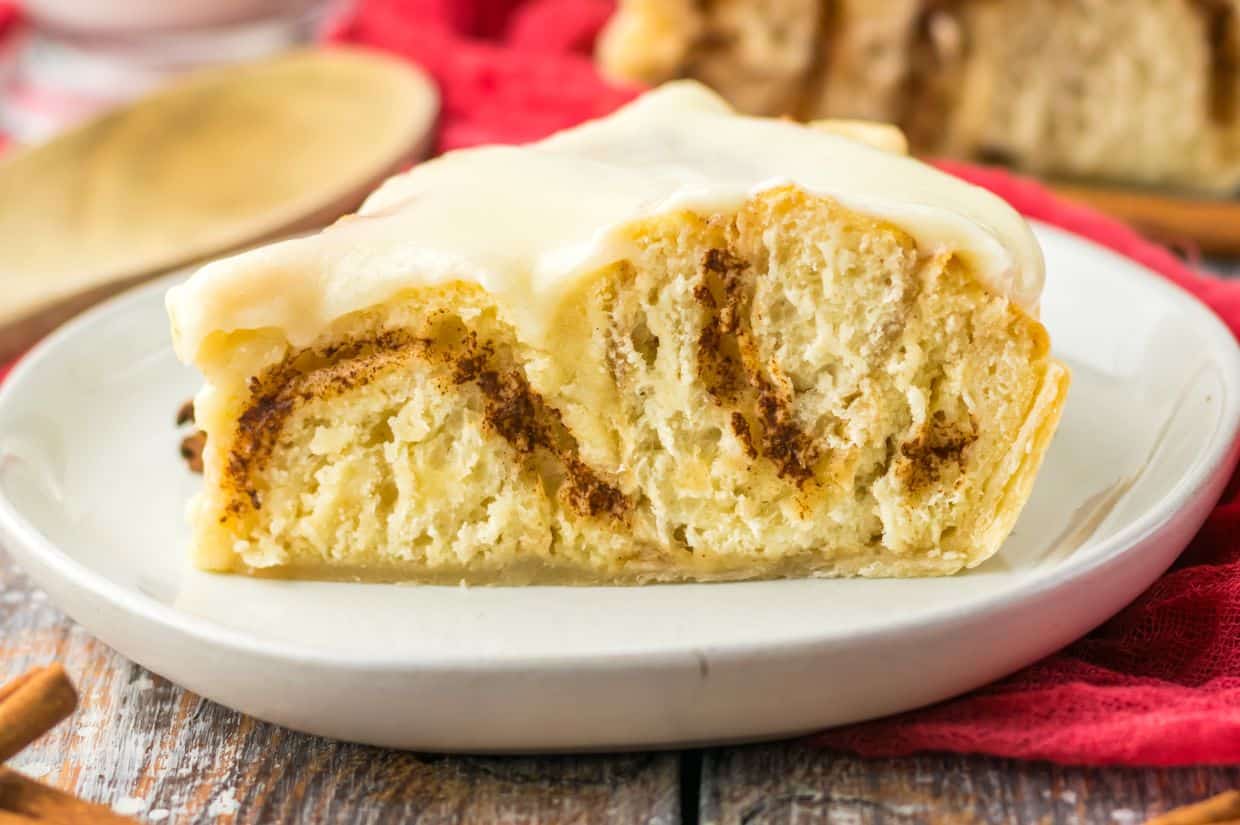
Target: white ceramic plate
[[91, 503]]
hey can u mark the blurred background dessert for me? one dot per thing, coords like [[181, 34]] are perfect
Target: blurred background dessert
[[1133, 91], [1143, 92]]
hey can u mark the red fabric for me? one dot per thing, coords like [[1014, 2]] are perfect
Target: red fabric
[[508, 71], [8, 24], [1157, 685]]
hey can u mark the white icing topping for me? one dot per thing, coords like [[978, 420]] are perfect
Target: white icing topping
[[526, 222]]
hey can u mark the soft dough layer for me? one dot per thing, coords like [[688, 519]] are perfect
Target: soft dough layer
[[790, 389]]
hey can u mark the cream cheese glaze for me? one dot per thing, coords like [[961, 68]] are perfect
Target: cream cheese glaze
[[526, 222]]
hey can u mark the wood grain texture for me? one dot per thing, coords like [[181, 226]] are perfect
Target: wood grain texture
[[153, 751], [788, 783]]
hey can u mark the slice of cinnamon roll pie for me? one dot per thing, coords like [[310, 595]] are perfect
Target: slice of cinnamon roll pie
[[673, 344]]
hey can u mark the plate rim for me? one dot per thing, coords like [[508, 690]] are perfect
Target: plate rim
[[24, 537]]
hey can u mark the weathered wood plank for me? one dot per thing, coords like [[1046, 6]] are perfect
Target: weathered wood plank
[[787, 783], [153, 751]]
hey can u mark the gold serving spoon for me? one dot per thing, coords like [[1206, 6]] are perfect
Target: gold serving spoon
[[222, 160]]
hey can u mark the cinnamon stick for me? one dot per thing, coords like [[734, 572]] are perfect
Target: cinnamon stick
[[12, 685], [1223, 809], [25, 801], [1211, 224], [31, 705]]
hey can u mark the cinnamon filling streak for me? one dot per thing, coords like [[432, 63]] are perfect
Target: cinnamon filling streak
[[730, 366], [512, 409]]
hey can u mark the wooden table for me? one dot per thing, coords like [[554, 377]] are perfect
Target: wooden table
[[162, 754]]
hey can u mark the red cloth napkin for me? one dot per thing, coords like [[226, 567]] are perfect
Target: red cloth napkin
[[1157, 685]]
